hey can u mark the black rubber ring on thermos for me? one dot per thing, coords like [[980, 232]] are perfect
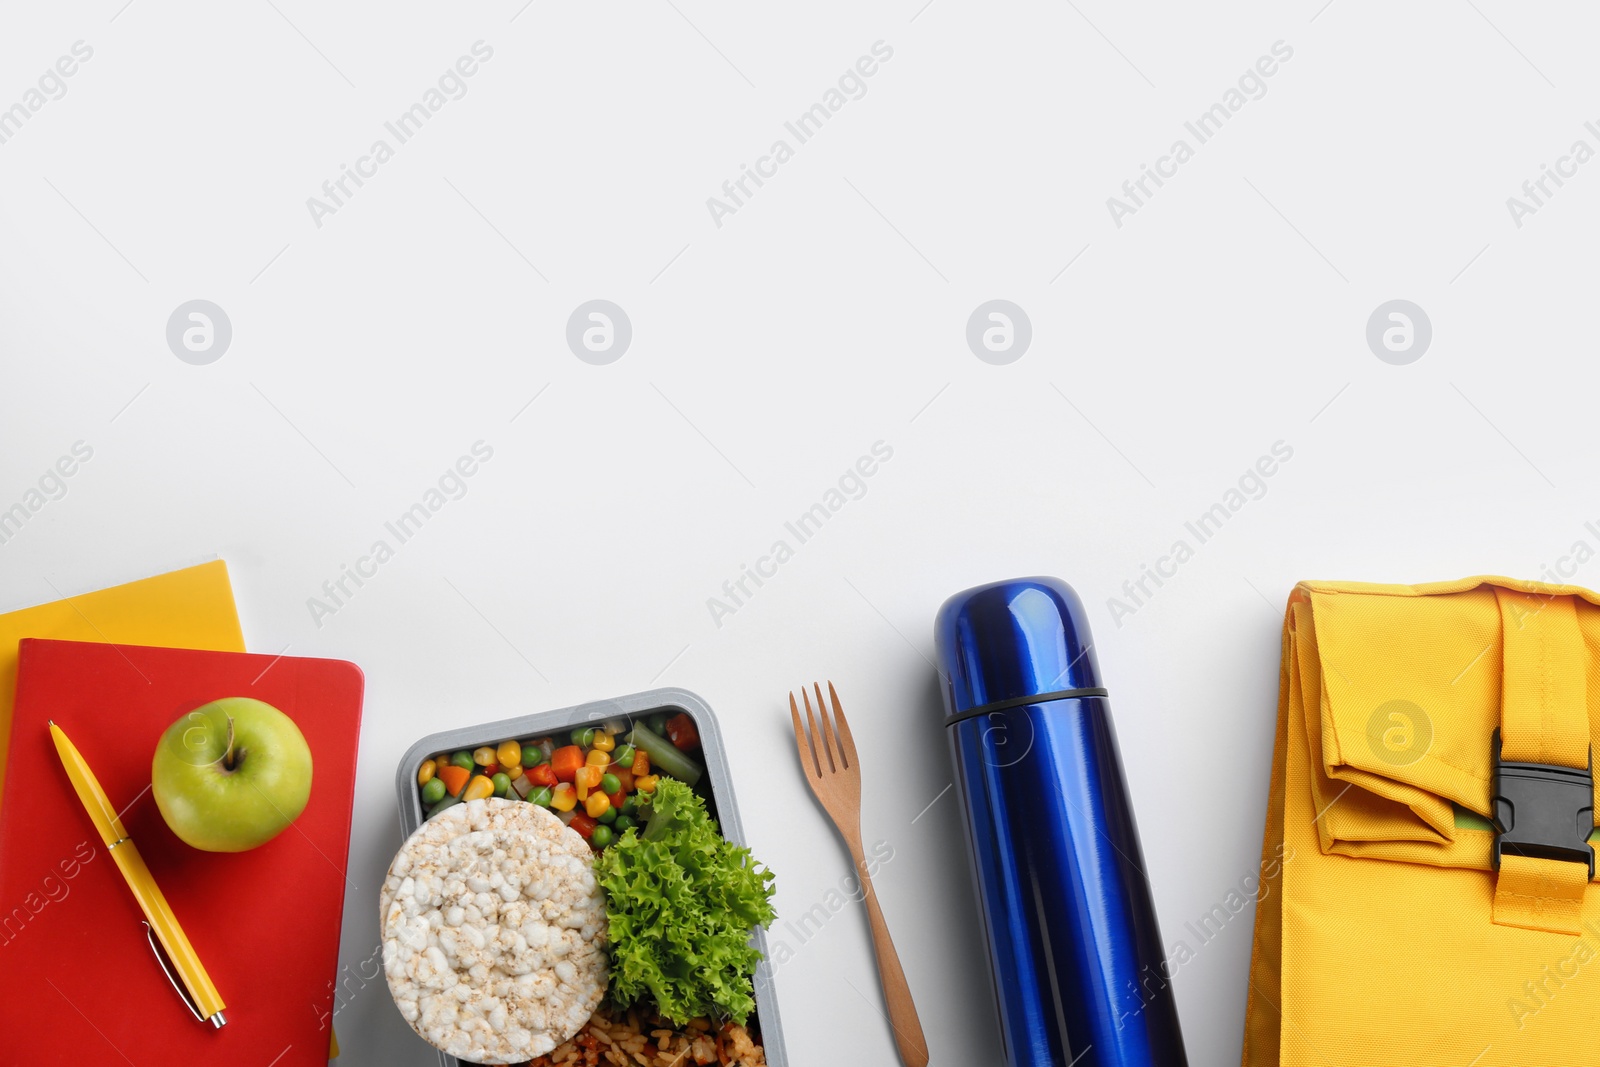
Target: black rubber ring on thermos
[[1017, 702]]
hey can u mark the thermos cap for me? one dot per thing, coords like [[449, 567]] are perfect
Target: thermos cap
[[1006, 641]]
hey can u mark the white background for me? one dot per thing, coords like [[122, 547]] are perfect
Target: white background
[[829, 312]]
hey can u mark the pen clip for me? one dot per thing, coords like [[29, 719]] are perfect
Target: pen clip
[[166, 969]]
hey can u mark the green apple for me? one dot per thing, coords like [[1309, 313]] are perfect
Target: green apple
[[231, 775]]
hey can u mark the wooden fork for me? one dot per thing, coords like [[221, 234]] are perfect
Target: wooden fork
[[834, 775]]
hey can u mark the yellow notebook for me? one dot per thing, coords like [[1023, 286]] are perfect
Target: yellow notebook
[[191, 608]]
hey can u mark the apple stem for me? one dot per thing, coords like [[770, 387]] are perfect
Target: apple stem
[[228, 757]]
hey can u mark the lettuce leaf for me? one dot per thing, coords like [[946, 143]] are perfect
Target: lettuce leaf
[[681, 900]]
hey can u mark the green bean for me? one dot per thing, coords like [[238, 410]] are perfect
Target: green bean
[[665, 757]]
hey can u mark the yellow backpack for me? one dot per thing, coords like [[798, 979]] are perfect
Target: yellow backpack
[[1428, 847]]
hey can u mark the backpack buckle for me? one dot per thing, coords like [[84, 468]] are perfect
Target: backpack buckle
[[1543, 811]]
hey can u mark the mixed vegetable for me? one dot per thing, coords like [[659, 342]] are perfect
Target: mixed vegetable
[[599, 780]]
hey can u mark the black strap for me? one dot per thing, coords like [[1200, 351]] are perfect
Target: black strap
[[1017, 702]]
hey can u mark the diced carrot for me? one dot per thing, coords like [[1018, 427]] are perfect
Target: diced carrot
[[565, 762], [454, 778], [641, 762]]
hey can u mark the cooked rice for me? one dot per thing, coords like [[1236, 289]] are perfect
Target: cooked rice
[[613, 1038]]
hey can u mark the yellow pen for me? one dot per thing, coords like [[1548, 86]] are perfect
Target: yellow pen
[[201, 996]]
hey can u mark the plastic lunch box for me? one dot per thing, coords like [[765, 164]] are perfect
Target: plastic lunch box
[[628, 708]]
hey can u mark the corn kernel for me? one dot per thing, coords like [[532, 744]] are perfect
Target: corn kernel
[[603, 741], [598, 757], [426, 772], [510, 755], [646, 783], [564, 798], [478, 788], [597, 804], [484, 756]]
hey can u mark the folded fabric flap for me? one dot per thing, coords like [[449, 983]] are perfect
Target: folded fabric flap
[[1401, 691], [1471, 849], [1370, 808], [1353, 805]]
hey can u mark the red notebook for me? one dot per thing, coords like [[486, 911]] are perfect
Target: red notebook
[[78, 981]]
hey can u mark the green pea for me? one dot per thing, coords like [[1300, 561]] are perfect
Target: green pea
[[502, 782], [630, 804], [657, 723], [609, 815], [463, 760], [583, 737], [610, 783], [623, 823], [623, 755], [433, 792], [532, 756], [600, 835], [541, 795]]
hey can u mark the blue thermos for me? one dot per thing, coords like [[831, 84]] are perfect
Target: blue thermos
[[1080, 973]]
